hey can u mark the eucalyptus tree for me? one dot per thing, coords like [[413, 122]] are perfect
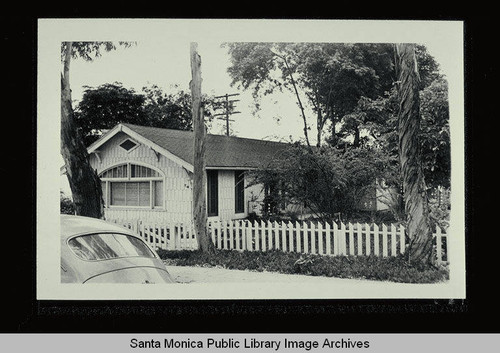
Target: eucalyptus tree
[[83, 181], [416, 203], [327, 79]]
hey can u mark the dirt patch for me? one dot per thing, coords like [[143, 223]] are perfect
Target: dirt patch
[[190, 274]]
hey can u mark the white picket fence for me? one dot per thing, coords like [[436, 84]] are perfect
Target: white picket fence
[[303, 237]]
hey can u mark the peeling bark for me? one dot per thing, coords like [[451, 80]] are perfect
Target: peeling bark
[[199, 176], [414, 189], [84, 183]]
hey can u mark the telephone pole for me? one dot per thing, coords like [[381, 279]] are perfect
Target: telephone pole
[[228, 108]]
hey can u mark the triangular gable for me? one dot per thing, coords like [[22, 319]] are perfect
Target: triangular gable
[[94, 148]]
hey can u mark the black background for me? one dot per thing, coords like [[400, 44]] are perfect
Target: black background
[[21, 311]]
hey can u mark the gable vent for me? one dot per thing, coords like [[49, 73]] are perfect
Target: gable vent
[[128, 145]]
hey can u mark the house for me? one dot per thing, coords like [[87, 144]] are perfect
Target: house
[[146, 173]]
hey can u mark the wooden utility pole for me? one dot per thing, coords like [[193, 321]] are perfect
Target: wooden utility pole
[[228, 106], [199, 178]]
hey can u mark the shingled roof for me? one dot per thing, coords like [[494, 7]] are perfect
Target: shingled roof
[[221, 151]]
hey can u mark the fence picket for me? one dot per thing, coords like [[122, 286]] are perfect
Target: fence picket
[[402, 239], [328, 239], [283, 236], [320, 241], [313, 238], [368, 239], [290, 237], [308, 237], [256, 236], [394, 248], [276, 236], [305, 238], [297, 234], [360, 238], [376, 240], [351, 238], [262, 236], [384, 241]]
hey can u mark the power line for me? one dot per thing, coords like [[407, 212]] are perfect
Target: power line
[[228, 105]]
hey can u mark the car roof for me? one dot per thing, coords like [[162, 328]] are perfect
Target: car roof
[[73, 225]]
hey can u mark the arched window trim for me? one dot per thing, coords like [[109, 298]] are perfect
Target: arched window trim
[[107, 181], [129, 177]]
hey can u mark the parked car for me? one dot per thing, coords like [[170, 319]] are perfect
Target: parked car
[[96, 251]]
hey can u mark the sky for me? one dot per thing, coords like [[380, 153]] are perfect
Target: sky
[[162, 58], [166, 63]]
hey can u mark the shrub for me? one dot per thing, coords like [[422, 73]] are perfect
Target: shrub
[[67, 206], [394, 269]]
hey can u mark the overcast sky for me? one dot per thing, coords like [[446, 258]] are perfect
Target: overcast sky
[[167, 63], [161, 57]]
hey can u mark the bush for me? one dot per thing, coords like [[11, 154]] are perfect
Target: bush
[[67, 206], [394, 269]]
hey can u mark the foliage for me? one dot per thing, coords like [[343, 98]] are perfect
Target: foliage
[[327, 180], [66, 205], [332, 76], [89, 51], [435, 134], [109, 104], [394, 269]]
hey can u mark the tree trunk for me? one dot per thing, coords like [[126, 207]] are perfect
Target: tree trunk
[[83, 180], [199, 176], [414, 189]]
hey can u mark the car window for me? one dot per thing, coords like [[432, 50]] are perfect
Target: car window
[[101, 246]]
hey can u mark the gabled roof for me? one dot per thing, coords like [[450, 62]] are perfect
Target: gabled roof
[[221, 151]]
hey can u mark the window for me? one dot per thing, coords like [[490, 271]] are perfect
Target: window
[[132, 185], [212, 193], [239, 191], [128, 145], [102, 246]]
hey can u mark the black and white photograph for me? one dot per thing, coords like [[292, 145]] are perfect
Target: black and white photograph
[[193, 159]]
